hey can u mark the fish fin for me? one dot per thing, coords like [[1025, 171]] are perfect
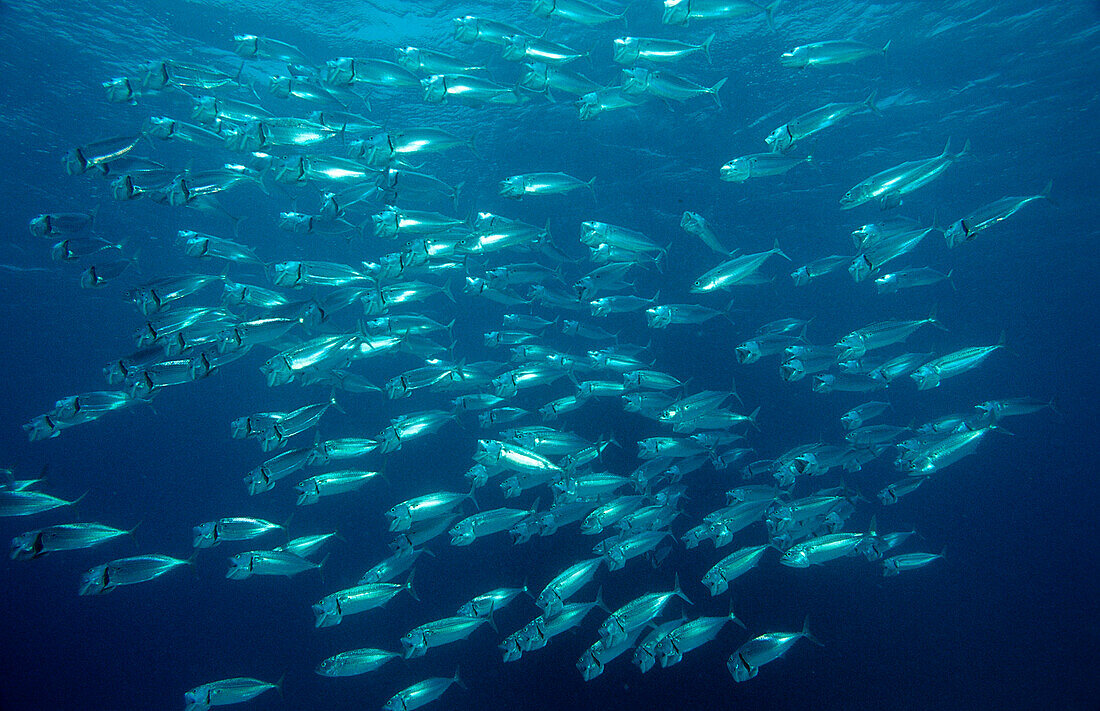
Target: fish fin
[[733, 618], [1045, 194], [472, 143], [678, 592], [130, 532], [806, 632], [713, 91], [752, 417], [598, 602], [706, 47], [869, 102], [769, 14]]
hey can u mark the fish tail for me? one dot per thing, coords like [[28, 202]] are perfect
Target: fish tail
[[713, 91], [769, 14], [706, 47], [965, 150], [1045, 194], [869, 102], [886, 48], [409, 586], [457, 680], [806, 632]]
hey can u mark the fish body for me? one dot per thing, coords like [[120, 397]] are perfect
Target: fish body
[[470, 29], [98, 154], [680, 12], [690, 635], [226, 692], [420, 694], [254, 47], [830, 52], [126, 571], [733, 271], [355, 662], [637, 613], [695, 224], [518, 186], [759, 165], [821, 549], [909, 278], [331, 609], [207, 535], [579, 11], [522, 46], [802, 127], [639, 80], [818, 268], [745, 663], [628, 50], [986, 216], [875, 256], [429, 61], [736, 564], [467, 89], [417, 641], [64, 537], [245, 565], [540, 76], [566, 584], [932, 373], [890, 185], [330, 484], [898, 564]]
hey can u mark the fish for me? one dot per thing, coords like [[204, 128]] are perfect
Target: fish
[[628, 50], [127, 571], [830, 52], [967, 229], [212, 533], [255, 47], [421, 693], [519, 186], [734, 271], [759, 165], [695, 224], [639, 80], [355, 662], [806, 125], [331, 609], [745, 663], [28, 503], [932, 373], [898, 564], [63, 537], [245, 565], [227, 691], [98, 154], [60, 223], [888, 186], [680, 12], [672, 647], [579, 11]]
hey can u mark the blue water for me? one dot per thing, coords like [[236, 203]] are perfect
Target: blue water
[[1007, 620]]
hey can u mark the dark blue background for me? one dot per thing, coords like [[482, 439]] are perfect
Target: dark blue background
[[1007, 620]]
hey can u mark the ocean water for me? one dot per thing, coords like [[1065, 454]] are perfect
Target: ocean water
[[1006, 620]]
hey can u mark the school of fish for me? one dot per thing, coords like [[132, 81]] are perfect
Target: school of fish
[[337, 331]]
